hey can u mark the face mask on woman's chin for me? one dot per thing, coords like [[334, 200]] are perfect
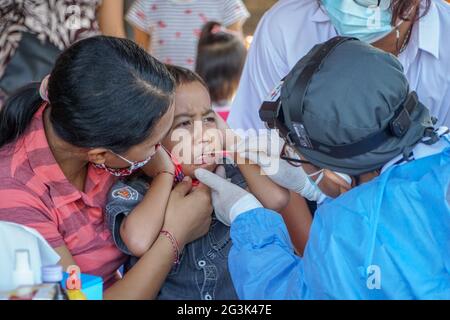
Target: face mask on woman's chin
[[368, 24], [124, 172]]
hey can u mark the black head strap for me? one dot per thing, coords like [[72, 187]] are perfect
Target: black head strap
[[398, 126], [304, 79]]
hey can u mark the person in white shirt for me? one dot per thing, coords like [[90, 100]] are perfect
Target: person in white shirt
[[292, 27]]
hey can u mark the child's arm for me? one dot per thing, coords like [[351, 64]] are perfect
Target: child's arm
[[271, 195], [142, 38], [298, 220], [141, 227], [140, 18], [110, 18]]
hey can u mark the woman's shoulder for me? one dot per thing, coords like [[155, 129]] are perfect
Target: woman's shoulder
[[18, 182], [292, 27], [289, 12], [13, 158], [20, 204], [15, 192]]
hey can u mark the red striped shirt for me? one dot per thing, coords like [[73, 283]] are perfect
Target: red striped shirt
[[34, 192]]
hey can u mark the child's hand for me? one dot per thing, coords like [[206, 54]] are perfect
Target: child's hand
[[160, 162]]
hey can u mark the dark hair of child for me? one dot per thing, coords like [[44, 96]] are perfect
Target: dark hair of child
[[220, 60], [183, 75]]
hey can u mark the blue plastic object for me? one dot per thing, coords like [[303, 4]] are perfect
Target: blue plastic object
[[91, 286]]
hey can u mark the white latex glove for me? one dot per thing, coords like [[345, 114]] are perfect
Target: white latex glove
[[229, 200], [296, 180], [265, 150]]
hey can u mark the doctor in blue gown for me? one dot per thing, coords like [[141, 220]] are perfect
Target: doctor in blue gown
[[346, 107]]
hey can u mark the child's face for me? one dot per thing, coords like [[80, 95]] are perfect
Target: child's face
[[193, 148]]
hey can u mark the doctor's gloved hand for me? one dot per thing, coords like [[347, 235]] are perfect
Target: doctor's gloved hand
[[228, 200], [265, 150]]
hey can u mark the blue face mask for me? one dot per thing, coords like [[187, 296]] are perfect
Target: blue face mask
[[367, 20]]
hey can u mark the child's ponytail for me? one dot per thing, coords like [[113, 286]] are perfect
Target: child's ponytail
[[220, 60]]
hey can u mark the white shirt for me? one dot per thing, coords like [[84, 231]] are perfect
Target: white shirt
[[175, 25], [292, 27]]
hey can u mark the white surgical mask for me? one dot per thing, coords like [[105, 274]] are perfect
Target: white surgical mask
[[367, 20]]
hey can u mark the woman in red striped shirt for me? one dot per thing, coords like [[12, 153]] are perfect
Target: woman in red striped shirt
[[100, 114]]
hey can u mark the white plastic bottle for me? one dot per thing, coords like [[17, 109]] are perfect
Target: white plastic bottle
[[22, 274]]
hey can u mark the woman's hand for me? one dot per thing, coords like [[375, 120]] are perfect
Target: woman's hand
[[160, 162], [189, 212]]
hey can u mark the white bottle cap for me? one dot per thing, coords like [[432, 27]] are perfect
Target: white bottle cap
[[52, 274]]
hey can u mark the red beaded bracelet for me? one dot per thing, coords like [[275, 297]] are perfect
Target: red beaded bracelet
[[175, 246]]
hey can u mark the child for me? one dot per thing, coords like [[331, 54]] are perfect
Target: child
[[170, 29], [136, 216], [220, 60]]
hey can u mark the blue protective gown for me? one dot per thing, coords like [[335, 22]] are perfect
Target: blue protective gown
[[387, 239]]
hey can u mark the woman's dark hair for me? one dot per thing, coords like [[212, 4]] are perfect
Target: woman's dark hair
[[183, 76], [103, 92], [401, 9], [220, 60]]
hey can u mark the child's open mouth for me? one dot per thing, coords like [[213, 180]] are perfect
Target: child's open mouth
[[209, 158]]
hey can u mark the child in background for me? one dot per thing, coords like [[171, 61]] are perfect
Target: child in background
[[136, 206], [220, 60], [170, 29]]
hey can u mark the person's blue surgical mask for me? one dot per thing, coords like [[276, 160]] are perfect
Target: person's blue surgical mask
[[367, 20]]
